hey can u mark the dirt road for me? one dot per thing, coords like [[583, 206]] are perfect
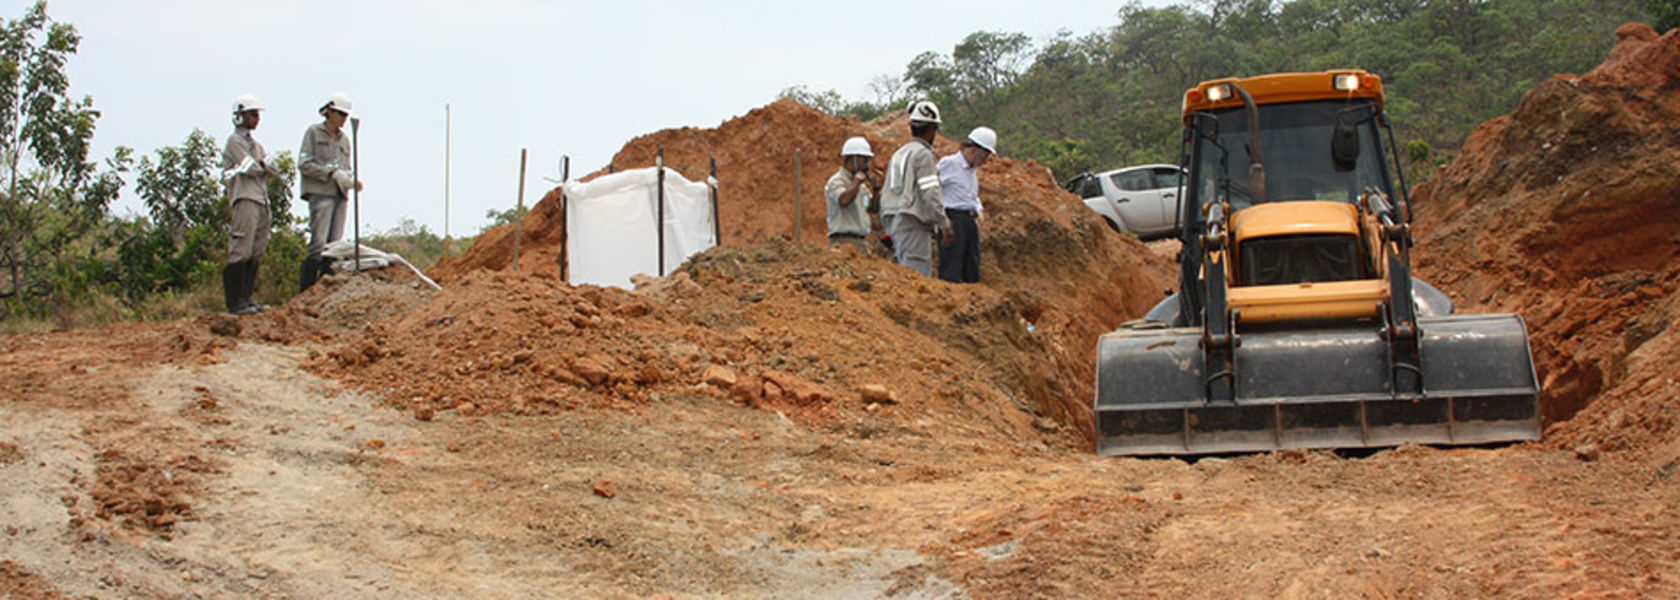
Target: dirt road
[[178, 464]]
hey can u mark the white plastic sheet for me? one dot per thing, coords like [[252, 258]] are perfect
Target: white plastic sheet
[[610, 225]]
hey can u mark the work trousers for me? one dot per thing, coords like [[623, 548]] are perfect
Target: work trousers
[[959, 261], [913, 242], [248, 233], [326, 221]]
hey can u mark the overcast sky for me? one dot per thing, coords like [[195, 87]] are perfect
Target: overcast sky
[[557, 78]]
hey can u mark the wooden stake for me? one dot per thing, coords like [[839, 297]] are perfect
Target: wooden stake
[[518, 212]]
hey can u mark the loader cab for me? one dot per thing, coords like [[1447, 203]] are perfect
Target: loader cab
[[1300, 242]]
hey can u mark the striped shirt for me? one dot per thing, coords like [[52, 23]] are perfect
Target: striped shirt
[[912, 186]]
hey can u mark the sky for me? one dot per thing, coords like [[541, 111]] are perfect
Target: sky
[[574, 79]]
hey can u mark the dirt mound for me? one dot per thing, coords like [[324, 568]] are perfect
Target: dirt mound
[[828, 336], [1063, 274], [1565, 211]]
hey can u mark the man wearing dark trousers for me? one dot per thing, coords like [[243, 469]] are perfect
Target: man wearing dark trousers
[[959, 256], [246, 168]]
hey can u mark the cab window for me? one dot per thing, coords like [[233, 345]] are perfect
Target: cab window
[[1133, 181], [1091, 187]]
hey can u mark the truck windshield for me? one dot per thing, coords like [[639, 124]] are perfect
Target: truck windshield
[[1296, 148]]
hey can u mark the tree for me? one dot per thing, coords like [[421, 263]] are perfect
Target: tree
[[1665, 14], [180, 189], [53, 193], [499, 218], [828, 101]]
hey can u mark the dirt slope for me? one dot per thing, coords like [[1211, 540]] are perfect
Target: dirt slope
[[1046, 258], [1567, 211], [164, 461]]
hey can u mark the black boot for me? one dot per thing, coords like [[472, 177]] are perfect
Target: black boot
[[308, 273], [233, 283], [251, 286]]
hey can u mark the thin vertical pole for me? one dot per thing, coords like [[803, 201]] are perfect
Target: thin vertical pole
[[660, 224], [446, 132], [518, 217], [798, 213], [356, 187], [717, 227], [565, 176]]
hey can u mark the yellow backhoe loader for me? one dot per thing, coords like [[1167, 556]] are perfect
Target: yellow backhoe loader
[[1297, 323]]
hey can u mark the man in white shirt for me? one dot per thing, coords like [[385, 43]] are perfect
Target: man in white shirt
[[959, 182]]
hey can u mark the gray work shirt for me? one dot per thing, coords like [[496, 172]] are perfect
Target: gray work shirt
[[912, 186], [846, 220], [245, 186], [321, 154]]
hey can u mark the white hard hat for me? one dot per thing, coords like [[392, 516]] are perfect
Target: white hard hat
[[923, 111], [856, 146], [985, 138], [246, 102], [338, 102]]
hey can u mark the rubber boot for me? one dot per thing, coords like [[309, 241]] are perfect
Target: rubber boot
[[323, 268], [233, 283], [251, 286], [308, 273]]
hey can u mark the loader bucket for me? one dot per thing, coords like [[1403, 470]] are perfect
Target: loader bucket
[[1317, 388]]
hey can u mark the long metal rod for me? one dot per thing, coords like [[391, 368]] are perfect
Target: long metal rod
[[565, 175], [356, 187], [446, 132], [660, 222], [519, 212]]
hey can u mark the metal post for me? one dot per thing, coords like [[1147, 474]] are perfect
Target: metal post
[[798, 213], [519, 209], [565, 175], [660, 221], [356, 188], [446, 132], [717, 227]]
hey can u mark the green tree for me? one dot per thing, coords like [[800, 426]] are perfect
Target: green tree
[[499, 218], [1665, 14], [53, 194], [180, 188]]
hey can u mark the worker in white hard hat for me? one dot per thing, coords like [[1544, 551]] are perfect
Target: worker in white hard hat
[[910, 197], [246, 168], [324, 162], [849, 193], [959, 183]]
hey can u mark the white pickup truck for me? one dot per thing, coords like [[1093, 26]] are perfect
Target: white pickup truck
[[1140, 200]]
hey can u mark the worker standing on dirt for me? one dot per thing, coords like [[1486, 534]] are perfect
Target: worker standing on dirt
[[849, 192], [246, 168], [911, 196], [959, 183], [324, 162]]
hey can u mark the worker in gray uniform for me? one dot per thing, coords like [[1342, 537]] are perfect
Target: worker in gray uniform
[[911, 197], [324, 163], [848, 195], [246, 168]]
